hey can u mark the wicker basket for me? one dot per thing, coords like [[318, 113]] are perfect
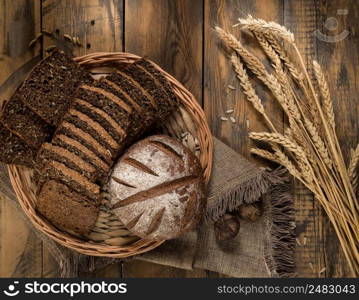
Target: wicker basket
[[109, 237]]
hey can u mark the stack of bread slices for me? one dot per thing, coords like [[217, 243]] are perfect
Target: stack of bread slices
[[79, 127]]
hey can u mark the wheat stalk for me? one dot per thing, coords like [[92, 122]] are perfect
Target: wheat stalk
[[324, 91], [261, 26], [312, 151], [288, 144], [252, 62], [248, 89], [318, 142], [353, 167]]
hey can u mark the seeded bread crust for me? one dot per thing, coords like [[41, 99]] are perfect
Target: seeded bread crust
[[157, 189], [137, 95], [71, 131], [103, 138], [102, 100], [23, 122], [67, 209], [14, 150], [102, 168], [158, 96], [49, 152], [101, 117], [60, 172], [49, 88], [150, 68]]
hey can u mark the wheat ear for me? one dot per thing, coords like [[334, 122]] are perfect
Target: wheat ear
[[248, 89], [255, 65], [288, 144], [261, 26], [318, 142], [353, 168], [325, 94]]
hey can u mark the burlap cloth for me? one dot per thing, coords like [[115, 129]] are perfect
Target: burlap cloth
[[261, 249]]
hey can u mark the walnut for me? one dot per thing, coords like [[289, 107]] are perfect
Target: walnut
[[250, 212], [227, 227]]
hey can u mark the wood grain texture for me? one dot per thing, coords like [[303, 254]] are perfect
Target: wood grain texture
[[97, 24], [20, 250], [170, 34], [179, 35], [300, 18], [339, 56], [218, 73]]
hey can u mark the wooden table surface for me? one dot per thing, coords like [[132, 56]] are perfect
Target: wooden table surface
[[179, 36]]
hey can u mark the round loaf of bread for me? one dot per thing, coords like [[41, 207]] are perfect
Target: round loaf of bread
[[157, 189]]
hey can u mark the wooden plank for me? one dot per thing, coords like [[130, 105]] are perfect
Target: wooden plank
[[98, 26], [169, 33], [338, 53], [20, 250], [218, 73], [300, 18]]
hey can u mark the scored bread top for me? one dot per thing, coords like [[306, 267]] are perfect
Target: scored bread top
[[157, 188]]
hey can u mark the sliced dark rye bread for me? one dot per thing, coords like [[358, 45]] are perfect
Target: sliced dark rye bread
[[115, 107], [158, 76], [70, 130], [14, 150], [95, 129], [150, 87], [49, 152], [50, 87], [67, 209], [100, 116], [85, 153], [145, 110], [59, 172], [23, 122]]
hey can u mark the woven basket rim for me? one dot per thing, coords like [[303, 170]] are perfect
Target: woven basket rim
[[21, 184]]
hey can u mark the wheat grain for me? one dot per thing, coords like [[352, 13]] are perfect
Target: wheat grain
[[287, 163], [268, 50], [265, 154], [246, 85], [310, 143], [324, 92], [353, 168], [288, 144], [248, 89], [261, 26], [318, 142], [255, 65], [280, 158]]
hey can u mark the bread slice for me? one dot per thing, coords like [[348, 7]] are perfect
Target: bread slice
[[74, 146], [93, 128], [23, 122], [100, 116], [148, 67], [60, 172], [71, 131], [13, 150], [67, 209], [49, 88], [115, 107], [145, 109], [49, 152], [150, 87]]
